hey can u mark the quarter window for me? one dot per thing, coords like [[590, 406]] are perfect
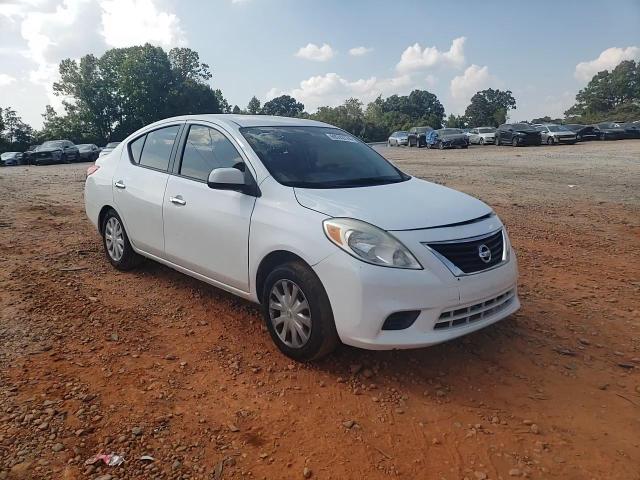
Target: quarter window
[[136, 148], [157, 147], [207, 149]]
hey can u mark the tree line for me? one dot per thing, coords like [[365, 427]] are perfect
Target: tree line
[[108, 97]]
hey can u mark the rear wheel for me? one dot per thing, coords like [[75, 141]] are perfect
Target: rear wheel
[[116, 243], [514, 142], [441, 145], [297, 312], [550, 141]]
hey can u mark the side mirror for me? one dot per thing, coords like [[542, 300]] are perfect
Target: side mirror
[[231, 179]]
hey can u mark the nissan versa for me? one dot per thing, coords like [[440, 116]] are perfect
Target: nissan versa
[[335, 243]]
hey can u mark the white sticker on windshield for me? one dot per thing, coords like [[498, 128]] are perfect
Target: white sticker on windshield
[[341, 138]]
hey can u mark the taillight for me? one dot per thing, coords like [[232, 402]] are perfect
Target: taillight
[[92, 169]]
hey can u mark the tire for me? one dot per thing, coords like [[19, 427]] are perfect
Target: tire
[[579, 138], [550, 141], [440, 146], [481, 142], [64, 158], [496, 141], [603, 136], [322, 337], [128, 258], [514, 142], [389, 143]]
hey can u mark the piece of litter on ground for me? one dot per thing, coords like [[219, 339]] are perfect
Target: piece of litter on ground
[[111, 460], [147, 458], [571, 186], [72, 268]]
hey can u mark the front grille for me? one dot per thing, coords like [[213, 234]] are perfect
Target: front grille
[[466, 255], [474, 313]]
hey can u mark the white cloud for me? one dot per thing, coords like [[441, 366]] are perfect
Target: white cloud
[[316, 53], [607, 60], [331, 89], [134, 22], [6, 79], [359, 51], [464, 86], [416, 58]]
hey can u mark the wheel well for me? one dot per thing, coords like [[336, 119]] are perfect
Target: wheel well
[[270, 262], [101, 215]]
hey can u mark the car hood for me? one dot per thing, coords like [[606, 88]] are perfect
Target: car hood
[[409, 205]]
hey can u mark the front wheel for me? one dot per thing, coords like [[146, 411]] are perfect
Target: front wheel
[[550, 141], [497, 141], [297, 312], [514, 142], [116, 243]]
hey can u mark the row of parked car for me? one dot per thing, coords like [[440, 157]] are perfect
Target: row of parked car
[[515, 134], [56, 151]]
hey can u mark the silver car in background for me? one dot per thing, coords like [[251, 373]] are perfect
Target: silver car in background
[[398, 138], [551, 133], [482, 135], [108, 148]]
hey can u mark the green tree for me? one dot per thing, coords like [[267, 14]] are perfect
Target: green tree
[[126, 88], [254, 106], [15, 135], [609, 95], [456, 121], [489, 107], [284, 106], [349, 116]]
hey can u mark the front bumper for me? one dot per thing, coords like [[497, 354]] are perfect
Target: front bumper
[[566, 139], [363, 296]]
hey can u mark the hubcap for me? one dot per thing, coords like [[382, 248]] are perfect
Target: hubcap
[[290, 314], [114, 239]]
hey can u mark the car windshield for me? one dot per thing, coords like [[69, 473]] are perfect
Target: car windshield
[[402, 134], [422, 129], [112, 145], [523, 127], [486, 130], [49, 145], [6, 155], [449, 131], [558, 128], [319, 157]]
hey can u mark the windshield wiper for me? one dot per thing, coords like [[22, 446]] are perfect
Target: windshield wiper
[[363, 182]]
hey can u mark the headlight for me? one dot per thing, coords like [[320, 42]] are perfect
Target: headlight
[[369, 243]]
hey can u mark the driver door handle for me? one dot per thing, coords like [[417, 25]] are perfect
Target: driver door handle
[[178, 200], [120, 184]]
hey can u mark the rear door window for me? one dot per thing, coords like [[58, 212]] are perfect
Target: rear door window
[[156, 151]]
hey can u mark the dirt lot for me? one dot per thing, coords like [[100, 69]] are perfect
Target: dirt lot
[[153, 362]]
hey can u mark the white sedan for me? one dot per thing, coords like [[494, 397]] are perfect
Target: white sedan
[[482, 135], [335, 242]]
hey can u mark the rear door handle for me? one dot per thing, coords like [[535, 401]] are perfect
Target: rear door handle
[[178, 200], [120, 184]]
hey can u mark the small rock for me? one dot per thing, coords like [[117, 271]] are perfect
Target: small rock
[[170, 356], [535, 429], [440, 393], [367, 373], [233, 427], [626, 365], [348, 423], [480, 475], [514, 472], [527, 422], [136, 431], [104, 477], [435, 441], [176, 465], [604, 386], [306, 473], [57, 447]]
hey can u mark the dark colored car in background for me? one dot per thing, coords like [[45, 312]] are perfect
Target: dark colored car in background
[[55, 151], [610, 131], [447, 138], [108, 148], [10, 159], [88, 152], [418, 136], [26, 156], [583, 132], [632, 129], [517, 135]]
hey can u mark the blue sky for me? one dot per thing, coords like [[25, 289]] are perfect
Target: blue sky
[[543, 51]]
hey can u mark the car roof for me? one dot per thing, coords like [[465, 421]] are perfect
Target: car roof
[[252, 120]]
